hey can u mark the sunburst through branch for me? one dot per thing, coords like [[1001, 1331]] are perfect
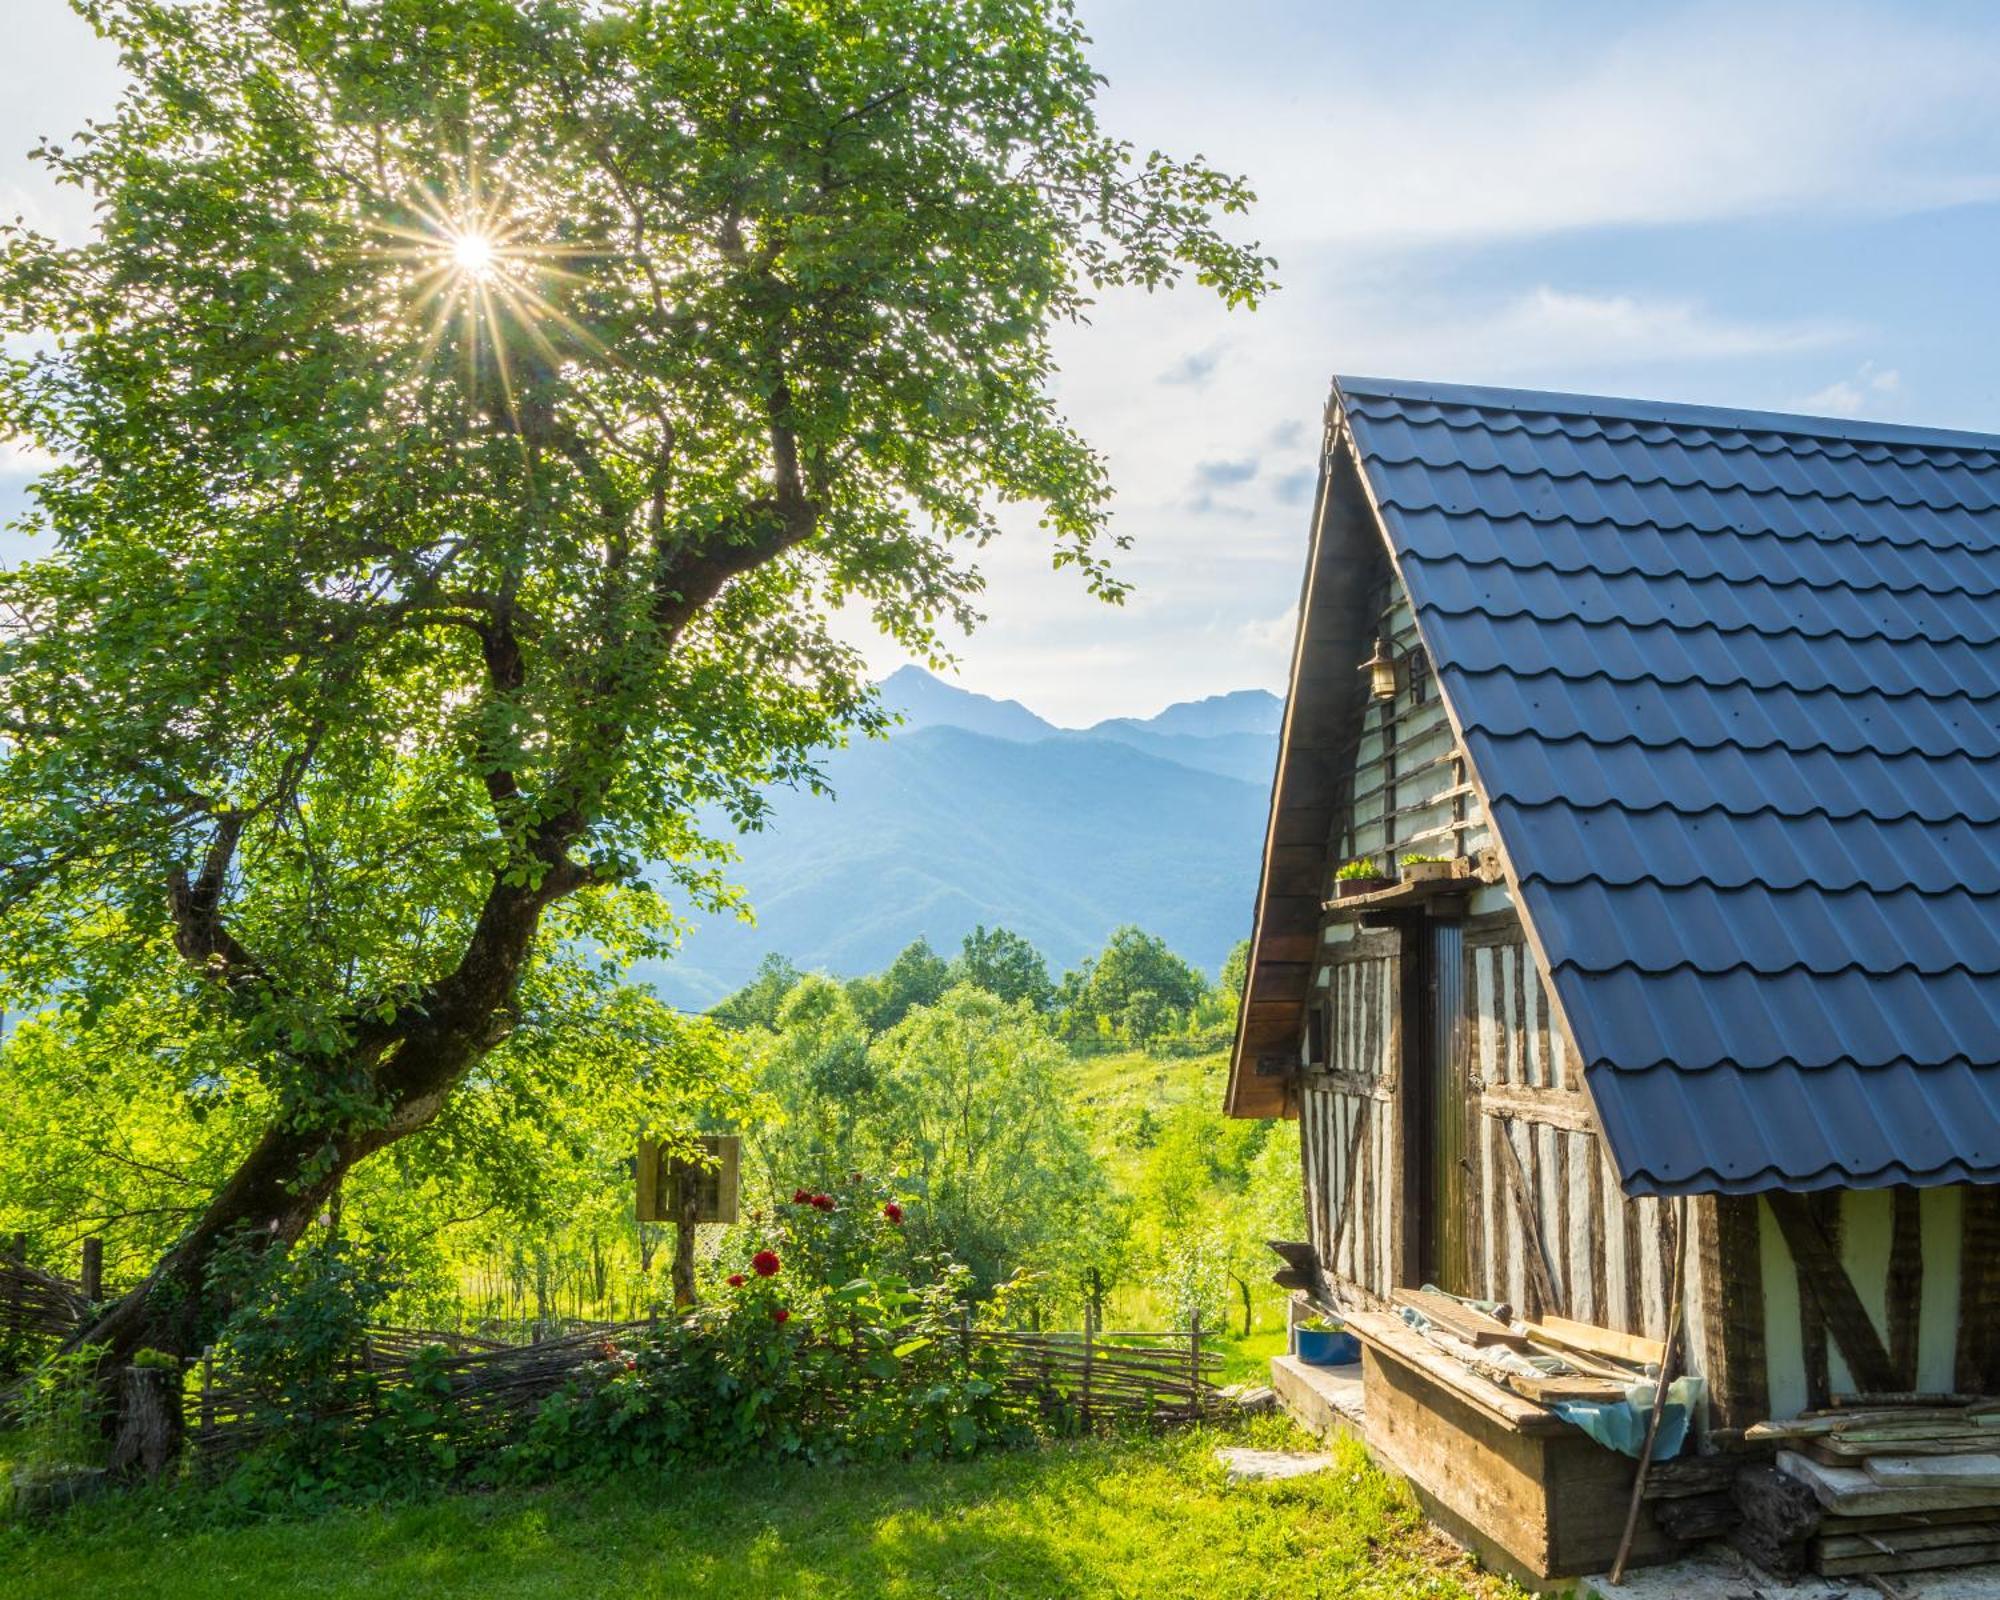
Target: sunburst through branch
[[468, 260]]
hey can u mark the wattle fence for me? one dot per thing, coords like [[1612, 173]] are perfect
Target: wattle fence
[[1089, 1377]]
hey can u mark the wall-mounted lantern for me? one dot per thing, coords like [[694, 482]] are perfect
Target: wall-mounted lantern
[[1381, 670]]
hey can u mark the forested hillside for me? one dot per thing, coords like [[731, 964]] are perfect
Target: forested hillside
[[976, 811]]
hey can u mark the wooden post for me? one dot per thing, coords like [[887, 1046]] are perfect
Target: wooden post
[[1194, 1363], [93, 1268], [1089, 1336], [208, 1389]]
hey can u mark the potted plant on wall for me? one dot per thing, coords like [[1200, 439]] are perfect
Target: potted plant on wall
[[1325, 1342], [1360, 877], [1427, 869]]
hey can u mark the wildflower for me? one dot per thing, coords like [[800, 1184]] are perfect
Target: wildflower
[[822, 1202], [802, 1197], [780, 1316], [893, 1212], [736, 1280], [765, 1263]]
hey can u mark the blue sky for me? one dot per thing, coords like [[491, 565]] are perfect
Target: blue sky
[[1775, 206]]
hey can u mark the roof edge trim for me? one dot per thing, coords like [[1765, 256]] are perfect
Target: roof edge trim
[[1551, 402]]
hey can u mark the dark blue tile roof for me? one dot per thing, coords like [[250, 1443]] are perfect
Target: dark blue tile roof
[[1731, 682]]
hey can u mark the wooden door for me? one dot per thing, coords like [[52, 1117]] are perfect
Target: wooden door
[[1446, 1193]]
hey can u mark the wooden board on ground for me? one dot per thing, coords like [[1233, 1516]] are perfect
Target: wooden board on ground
[[1895, 1560], [1596, 1341], [1916, 1472], [1460, 1320], [1931, 1419], [1849, 1491], [1842, 1449]]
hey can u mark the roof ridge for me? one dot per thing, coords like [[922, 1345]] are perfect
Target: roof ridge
[[1553, 402]]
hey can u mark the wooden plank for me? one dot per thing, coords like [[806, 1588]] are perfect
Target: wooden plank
[[1849, 1491], [1959, 1555], [1393, 1337], [1825, 1280], [1465, 1322], [1575, 1386], [1616, 1303], [1599, 1341], [1579, 1169], [1541, 1282], [1904, 1472]]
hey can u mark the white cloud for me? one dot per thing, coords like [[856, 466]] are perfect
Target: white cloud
[[1868, 390], [1549, 328], [1460, 122], [23, 460]]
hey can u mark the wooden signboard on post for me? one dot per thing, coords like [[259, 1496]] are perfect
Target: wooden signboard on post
[[712, 1185]]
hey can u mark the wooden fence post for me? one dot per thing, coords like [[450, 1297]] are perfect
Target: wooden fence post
[[208, 1390], [1089, 1338], [1194, 1363], [93, 1268]]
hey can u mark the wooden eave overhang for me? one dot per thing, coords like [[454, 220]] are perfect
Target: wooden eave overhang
[[1335, 635]]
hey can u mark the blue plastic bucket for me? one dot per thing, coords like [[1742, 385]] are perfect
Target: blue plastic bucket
[[1319, 1348]]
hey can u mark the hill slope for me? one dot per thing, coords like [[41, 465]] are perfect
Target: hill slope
[[939, 829]]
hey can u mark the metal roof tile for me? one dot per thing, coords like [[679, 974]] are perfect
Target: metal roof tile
[[1731, 682]]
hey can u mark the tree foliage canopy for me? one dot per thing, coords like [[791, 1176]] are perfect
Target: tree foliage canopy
[[466, 414]]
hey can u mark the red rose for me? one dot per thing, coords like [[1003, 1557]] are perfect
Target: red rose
[[893, 1212], [736, 1280], [781, 1316], [765, 1263], [802, 1197]]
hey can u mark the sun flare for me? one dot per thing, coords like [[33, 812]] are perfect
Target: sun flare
[[473, 254]]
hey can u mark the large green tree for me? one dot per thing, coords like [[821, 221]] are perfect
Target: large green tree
[[467, 412]]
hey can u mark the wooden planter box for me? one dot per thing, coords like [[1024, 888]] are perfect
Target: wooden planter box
[[1532, 1495], [1428, 871], [1348, 888]]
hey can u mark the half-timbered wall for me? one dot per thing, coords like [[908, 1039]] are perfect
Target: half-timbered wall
[[1607, 1258], [1409, 792], [1844, 1292], [1350, 1132], [1552, 1230]]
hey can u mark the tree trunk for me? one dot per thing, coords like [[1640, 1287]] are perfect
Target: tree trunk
[[293, 1171]]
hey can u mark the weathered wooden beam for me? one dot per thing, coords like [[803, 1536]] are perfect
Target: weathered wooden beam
[[1978, 1357], [1825, 1280], [1560, 1108], [1732, 1279], [1905, 1286]]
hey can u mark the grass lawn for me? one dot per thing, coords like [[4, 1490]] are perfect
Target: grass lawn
[[1140, 1517]]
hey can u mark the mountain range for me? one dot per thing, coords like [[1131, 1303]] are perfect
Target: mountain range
[[976, 810]]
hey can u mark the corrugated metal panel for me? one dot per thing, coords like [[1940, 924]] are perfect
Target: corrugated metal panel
[[1732, 682]]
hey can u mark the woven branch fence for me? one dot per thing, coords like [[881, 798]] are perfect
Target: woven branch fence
[[1089, 1378]]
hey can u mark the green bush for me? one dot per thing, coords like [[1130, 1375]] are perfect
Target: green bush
[[822, 1347]]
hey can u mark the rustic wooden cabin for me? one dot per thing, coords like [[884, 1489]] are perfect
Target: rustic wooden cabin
[[1699, 713]]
